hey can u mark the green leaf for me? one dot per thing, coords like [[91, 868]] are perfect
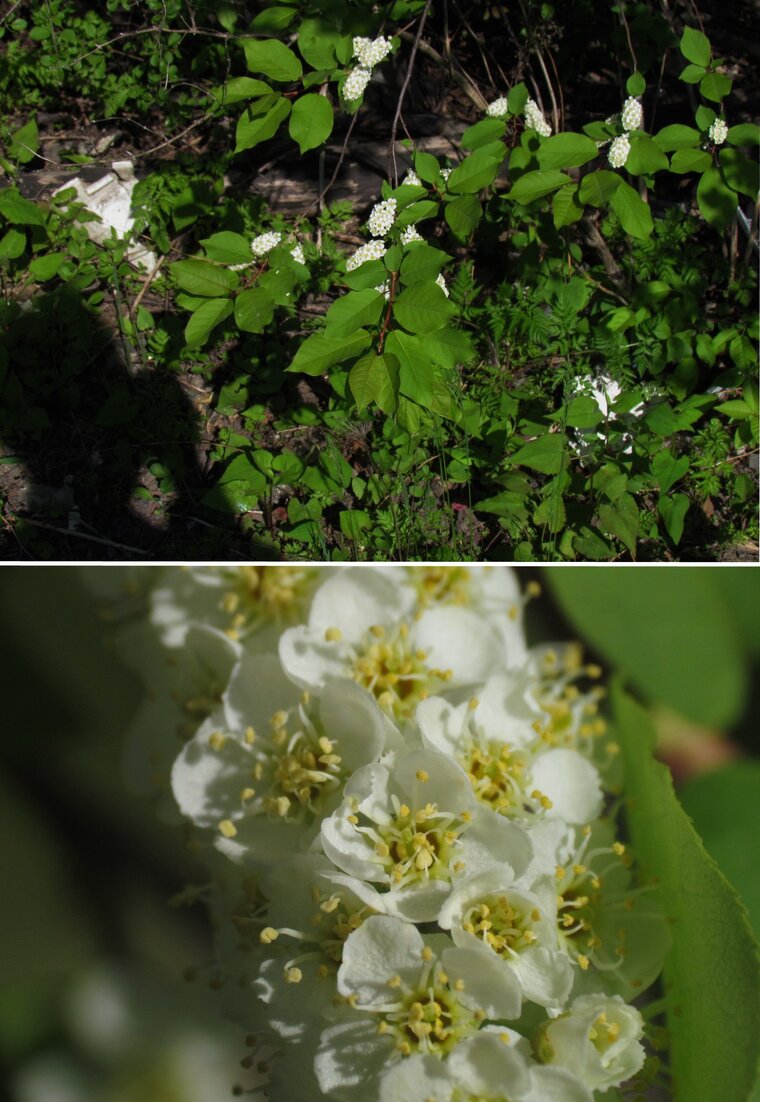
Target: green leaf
[[463, 214], [676, 137], [375, 379], [46, 267], [272, 58], [24, 143], [476, 171], [355, 523], [716, 200], [741, 172], [736, 408], [416, 375], [254, 309], [318, 352], [352, 311], [204, 319], [667, 470], [534, 185], [240, 88], [725, 807], [636, 85], [200, 277], [704, 117], [427, 167], [19, 210], [311, 121], [483, 132], [317, 41], [422, 307], [416, 212], [392, 258], [692, 74], [695, 46], [546, 454], [634, 214], [746, 133], [715, 86], [583, 413], [690, 160], [673, 509], [645, 156], [621, 520], [517, 97], [566, 150], [671, 632], [711, 970], [228, 248], [252, 129], [565, 206], [597, 188], [272, 19], [422, 263], [449, 347], [12, 245]]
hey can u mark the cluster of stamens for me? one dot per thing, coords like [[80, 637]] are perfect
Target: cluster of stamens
[[502, 925], [427, 1018], [579, 901], [260, 594]]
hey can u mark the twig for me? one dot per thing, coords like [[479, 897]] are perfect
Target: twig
[[404, 86], [83, 536], [460, 78], [147, 282], [318, 201], [171, 141]]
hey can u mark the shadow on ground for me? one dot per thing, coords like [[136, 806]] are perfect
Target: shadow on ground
[[85, 442]]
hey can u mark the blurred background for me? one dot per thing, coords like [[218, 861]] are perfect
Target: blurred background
[[93, 941]]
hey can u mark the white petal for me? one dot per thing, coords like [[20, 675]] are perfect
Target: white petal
[[571, 783], [491, 881], [458, 639], [350, 715], [490, 839], [353, 600], [309, 661], [417, 1079], [485, 1065], [427, 776], [555, 1085], [258, 688], [491, 989], [381, 948], [441, 724], [348, 849], [505, 711], [206, 783], [350, 1060], [545, 975]]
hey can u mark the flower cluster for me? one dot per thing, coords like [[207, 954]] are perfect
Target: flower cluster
[[718, 132], [371, 51], [373, 250], [265, 242], [632, 115], [355, 83], [499, 109], [535, 119], [417, 890], [620, 147], [409, 235], [382, 217]]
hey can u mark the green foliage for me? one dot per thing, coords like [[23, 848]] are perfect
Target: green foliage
[[712, 972]]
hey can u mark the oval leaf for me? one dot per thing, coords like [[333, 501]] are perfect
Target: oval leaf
[[272, 58], [534, 185], [634, 214], [205, 318], [422, 308], [566, 151], [311, 121]]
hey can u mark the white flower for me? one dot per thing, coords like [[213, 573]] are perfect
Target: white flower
[[632, 115], [297, 253], [489, 1065], [363, 624], [598, 1040], [382, 217], [412, 178], [241, 601], [355, 83], [620, 147], [442, 284], [516, 929], [413, 830], [263, 771], [384, 289], [371, 51], [446, 172], [718, 132], [498, 109], [407, 999], [265, 242], [535, 120], [409, 235], [373, 250]]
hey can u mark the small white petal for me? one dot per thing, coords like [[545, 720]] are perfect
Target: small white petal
[[571, 783]]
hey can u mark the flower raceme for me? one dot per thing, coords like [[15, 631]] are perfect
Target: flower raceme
[[418, 889]]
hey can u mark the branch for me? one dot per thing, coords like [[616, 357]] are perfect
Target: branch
[[404, 86]]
